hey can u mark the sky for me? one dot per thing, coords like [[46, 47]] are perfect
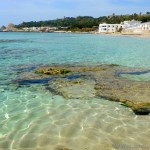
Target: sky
[[17, 11]]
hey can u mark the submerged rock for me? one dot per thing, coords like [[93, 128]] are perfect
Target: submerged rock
[[73, 89], [104, 81], [133, 93]]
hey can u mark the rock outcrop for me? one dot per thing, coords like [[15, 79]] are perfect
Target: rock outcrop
[[83, 82]]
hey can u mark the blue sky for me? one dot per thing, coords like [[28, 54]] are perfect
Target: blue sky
[[17, 11]]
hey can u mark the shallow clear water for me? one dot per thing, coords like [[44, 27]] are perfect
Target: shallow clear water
[[33, 118]]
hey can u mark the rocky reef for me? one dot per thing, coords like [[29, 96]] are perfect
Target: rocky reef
[[83, 82]]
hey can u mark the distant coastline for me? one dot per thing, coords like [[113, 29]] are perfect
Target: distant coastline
[[144, 35]]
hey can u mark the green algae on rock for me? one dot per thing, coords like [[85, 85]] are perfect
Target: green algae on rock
[[52, 71]]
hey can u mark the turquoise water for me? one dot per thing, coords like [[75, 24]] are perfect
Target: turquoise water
[[33, 118], [67, 48]]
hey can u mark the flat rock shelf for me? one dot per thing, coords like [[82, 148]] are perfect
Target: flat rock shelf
[[83, 82]]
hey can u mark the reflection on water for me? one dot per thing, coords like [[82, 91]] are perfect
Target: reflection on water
[[33, 118]]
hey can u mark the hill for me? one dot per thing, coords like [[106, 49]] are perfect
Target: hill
[[85, 22]]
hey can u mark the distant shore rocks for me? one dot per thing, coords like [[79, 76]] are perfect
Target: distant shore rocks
[[106, 81]]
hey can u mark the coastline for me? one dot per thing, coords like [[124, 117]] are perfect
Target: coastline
[[142, 35]]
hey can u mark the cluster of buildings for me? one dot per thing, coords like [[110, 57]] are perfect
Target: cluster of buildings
[[43, 29], [132, 26], [39, 29], [32, 29]]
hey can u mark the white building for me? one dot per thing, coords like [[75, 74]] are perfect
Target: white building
[[128, 24], [132, 29], [132, 26], [145, 26], [138, 28], [111, 28]]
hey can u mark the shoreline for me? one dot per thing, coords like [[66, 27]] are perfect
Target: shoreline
[[127, 34], [143, 35]]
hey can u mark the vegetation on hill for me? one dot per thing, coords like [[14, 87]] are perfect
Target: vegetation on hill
[[83, 23]]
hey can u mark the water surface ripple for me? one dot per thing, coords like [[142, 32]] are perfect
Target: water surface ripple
[[32, 118]]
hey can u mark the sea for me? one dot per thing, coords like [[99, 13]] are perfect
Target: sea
[[33, 118]]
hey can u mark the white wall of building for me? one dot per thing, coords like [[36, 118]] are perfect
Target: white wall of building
[[131, 23], [139, 28], [104, 28], [145, 26]]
